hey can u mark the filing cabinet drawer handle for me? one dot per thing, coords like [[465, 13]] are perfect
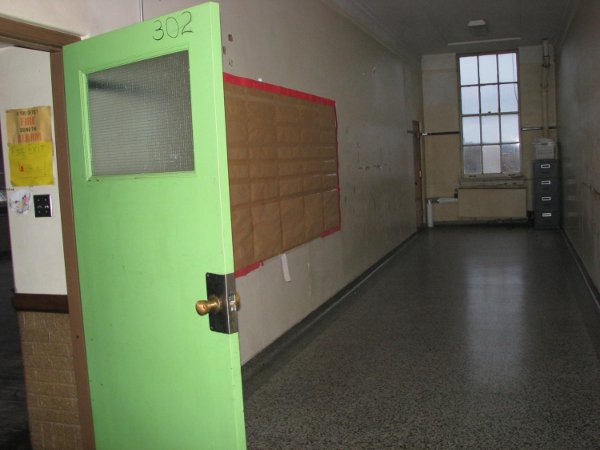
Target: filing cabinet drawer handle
[[545, 166], [546, 181], [546, 214], [546, 199]]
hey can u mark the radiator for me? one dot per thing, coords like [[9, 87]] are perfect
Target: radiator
[[504, 203]]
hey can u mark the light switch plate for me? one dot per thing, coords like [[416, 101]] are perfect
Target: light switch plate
[[42, 205]]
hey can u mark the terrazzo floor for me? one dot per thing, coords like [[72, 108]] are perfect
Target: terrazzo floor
[[468, 337]]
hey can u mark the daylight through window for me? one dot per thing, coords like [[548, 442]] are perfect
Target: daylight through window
[[489, 94]]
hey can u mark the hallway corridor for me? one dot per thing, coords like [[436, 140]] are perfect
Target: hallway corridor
[[468, 337]]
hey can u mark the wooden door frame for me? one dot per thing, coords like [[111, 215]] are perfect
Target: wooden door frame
[[35, 37]]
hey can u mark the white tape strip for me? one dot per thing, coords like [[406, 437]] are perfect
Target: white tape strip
[[285, 268]]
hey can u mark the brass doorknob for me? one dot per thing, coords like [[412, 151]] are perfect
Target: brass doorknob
[[238, 302], [213, 304]]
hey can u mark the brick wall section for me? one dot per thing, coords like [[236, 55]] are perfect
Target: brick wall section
[[50, 381]]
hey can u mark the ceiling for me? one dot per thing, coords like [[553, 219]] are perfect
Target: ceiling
[[420, 27]]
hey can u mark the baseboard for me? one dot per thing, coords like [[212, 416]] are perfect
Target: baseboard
[[486, 222], [590, 309], [263, 359], [41, 303]]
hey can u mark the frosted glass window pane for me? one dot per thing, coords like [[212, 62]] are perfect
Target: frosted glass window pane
[[141, 117], [489, 99], [471, 130], [490, 129], [509, 97], [507, 67], [468, 70], [472, 160], [511, 160], [491, 158], [488, 70], [510, 128], [470, 100]]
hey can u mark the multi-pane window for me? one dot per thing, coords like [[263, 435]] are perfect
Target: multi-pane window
[[489, 93]]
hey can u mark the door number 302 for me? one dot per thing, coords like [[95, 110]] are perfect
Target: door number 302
[[172, 26]]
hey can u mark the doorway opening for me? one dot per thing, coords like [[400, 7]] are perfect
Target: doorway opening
[[13, 409], [30, 37]]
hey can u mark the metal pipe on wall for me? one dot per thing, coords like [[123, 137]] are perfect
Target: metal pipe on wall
[[545, 71]]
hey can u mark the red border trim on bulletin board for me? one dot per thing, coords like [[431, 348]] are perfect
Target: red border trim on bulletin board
[[246, 270], [254, 84], [248, 82]]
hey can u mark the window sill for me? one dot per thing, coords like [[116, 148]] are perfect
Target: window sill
[[492, 182]]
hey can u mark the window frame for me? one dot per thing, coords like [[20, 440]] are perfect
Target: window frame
[[500, 176]]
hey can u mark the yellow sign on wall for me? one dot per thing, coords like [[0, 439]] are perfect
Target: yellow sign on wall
[[30, 151]]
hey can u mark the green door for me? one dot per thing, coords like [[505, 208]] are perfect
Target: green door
[[151, 204]]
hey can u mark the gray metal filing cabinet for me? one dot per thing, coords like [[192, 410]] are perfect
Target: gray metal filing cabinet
[[546, 193]]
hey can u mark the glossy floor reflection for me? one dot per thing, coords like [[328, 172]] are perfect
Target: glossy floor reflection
[[469, 337]]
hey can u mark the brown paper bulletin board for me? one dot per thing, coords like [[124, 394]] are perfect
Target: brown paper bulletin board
[[283, 169]]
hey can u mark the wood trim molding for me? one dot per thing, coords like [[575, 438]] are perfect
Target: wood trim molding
[[70, 250], [41, 303], [34, 37]]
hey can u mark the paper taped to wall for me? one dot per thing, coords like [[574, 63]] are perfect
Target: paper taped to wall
[[20, 201], [285, 268], [30, 151]]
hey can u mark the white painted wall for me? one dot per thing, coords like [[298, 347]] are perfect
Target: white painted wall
[[307, 46], [579, 110], [36, 243], [79, 17]]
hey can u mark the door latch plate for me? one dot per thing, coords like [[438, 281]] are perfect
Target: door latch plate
[[223, 287]]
